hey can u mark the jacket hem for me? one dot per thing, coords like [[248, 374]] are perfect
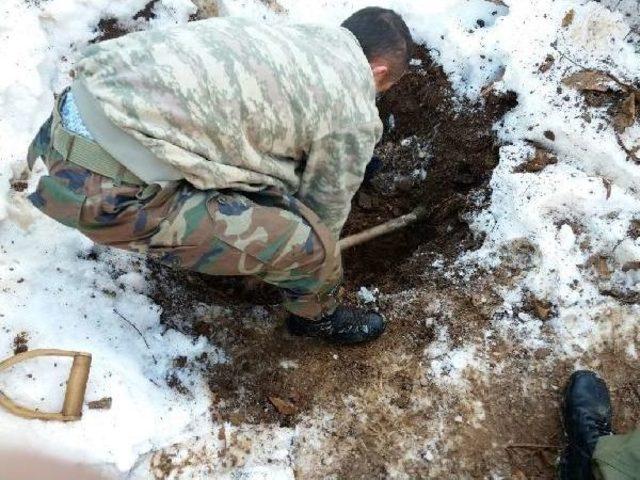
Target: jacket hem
[[123, 147]]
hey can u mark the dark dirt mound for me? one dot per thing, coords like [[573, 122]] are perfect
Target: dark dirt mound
[[436, 153], [110, 27]]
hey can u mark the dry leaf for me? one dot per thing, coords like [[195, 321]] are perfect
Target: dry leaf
[[546, 65], [542, 308], [593, 80], [283, 407], [275, 6], [206, 9], [102, 404], [627, 113], [635, 265], [634, 229], [518, 475], [540, 160], [568, 18], [599, 263], [602, 267]]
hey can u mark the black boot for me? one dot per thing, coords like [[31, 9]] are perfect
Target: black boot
[[345, 326], [587, 417]]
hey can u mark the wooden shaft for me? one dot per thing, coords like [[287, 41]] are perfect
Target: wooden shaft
[[385, 228], [76, 386]]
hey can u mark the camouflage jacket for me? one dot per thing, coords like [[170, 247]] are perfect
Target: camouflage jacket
[[229, 103]]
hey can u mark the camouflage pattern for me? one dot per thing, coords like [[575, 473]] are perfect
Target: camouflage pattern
[[234, 104], [212, 232]]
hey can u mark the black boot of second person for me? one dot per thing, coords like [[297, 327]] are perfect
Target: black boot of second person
[[344, 326], [587, 417]]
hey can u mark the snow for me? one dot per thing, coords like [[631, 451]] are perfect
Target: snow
[[565, 212], [67, 302], [447, 364], [52, 290], [367, 296], [552, 222]]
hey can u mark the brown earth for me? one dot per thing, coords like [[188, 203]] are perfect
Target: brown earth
[[21, 343]]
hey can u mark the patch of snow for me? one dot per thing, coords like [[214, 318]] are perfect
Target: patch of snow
[[583, 205], [419, 173], [447, 364], [64, 301], [251, 452], [288, 364], [368, 296]]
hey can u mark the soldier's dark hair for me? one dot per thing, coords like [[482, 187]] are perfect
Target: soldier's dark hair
[[382, 33]]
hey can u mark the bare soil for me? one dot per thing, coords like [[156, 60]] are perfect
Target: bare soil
[[21, 343]]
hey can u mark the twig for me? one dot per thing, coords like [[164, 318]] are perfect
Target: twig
[[624, 86], [631, 153], [635, 30], [635, 390], [137, 330], [564, 55], [533, 446]]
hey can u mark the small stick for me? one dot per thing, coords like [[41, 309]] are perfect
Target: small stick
[[533, 446], [137, 330], [388, 227]]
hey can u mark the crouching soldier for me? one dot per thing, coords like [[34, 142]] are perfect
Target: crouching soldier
[[228, 147]]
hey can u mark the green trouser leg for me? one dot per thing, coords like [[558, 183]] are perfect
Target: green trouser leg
[[617, 457]]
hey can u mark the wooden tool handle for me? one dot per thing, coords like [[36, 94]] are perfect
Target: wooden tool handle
[[387, 227], [76, 386]]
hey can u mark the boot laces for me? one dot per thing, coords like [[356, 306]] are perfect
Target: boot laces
[[604, 426]]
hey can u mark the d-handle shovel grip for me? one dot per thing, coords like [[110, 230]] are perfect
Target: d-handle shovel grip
[[74, 394]]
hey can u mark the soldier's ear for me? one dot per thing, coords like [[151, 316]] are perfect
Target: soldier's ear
[[381, 75], [380, 71]]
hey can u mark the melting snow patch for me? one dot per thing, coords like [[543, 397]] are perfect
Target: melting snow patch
[[446, 365], [368, 296]]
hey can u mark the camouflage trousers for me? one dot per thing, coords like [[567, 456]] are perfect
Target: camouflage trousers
[[265, 234]]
